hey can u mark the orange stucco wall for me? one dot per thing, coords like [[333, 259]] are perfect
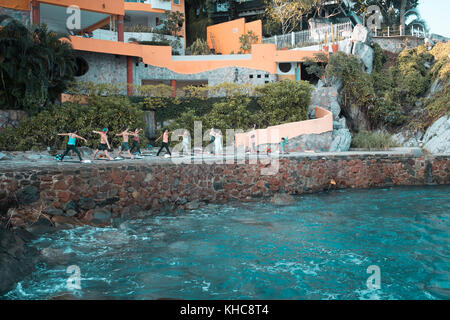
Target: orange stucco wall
[[273, 134], [137, 6], [103, 6], [15, 4], [224, 37], [263, 56]]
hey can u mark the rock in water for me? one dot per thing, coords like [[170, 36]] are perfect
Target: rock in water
[[437, 137], [16, 259], [282, 199]]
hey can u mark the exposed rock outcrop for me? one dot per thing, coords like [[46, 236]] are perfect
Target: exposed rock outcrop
[[342, 139], [364, 53], [407, 138], [361, 34], [327, 98], [437, 137], [17, 259]]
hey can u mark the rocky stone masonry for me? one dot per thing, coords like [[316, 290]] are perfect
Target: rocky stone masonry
[[11, 118], [113, 190]]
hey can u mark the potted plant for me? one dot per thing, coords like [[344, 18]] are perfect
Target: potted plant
[[335, 45], [325, 47]]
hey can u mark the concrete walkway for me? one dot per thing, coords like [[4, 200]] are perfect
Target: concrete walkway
[[42, 160]]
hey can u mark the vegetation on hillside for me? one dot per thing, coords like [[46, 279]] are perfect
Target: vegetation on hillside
[[394, 94]]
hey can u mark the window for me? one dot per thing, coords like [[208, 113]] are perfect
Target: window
[[176, 1], [250, 76], [82, 67], [285, 67], [258, 76]]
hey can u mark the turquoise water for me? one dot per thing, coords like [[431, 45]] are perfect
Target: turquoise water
[[318, 248]]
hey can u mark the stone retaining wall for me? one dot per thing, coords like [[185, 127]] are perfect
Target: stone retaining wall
[[115, 190], [11, 118], [398, 43]]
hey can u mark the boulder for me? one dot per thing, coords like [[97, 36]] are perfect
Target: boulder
[[365, 54], [407, 139], [28, 195], [17, 259], [41, 226], [341, 123], [282, 199], [327, 98], [437, 137], [86, 203], [346, 46], [193, 205], [361, 34], [101, 215], [342, 139]]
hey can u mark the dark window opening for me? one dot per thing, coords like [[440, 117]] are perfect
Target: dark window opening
[[285, 67], [250, 76], [266, 75], [259, 76], [82, 67]]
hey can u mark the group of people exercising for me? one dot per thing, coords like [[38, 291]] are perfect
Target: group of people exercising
[[104, 143]]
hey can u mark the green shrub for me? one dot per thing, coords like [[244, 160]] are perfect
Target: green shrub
[[378, 140], [283, 101], [113, 112], [199, 47]]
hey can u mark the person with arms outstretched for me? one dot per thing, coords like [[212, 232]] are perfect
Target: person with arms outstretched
[[165, 141], [125, 145], [71, 144], [104, 143]]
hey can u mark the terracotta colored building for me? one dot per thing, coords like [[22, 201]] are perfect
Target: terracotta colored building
[[114, 43]]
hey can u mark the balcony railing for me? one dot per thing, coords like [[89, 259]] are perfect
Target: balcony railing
[[310, 37], [156, 4]]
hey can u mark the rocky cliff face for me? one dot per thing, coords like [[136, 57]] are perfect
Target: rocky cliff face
[[437, 137]]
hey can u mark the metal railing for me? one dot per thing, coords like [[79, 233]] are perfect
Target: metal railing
[[311, 37]]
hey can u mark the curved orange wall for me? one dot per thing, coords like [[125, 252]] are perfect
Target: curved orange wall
[[323, 123]]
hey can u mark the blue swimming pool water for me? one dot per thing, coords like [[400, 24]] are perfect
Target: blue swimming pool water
[[318, 248]]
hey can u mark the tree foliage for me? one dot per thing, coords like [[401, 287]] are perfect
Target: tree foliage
[[40, 132], [36, 66]]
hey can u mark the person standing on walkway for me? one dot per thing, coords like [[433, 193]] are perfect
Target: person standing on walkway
[[283, 144], [71, 144], [186, 143], [136, 141], [165, 141], [125, 145], [104, 143], [218, 143], [212, 138]]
